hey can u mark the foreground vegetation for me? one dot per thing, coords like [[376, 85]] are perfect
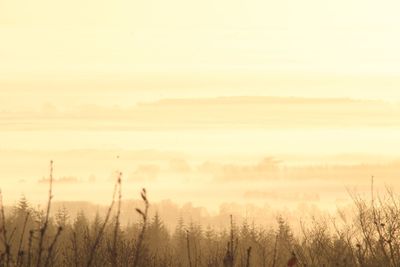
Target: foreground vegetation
[[30, 237]]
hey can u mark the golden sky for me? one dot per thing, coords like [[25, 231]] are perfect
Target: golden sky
[[323, 77], [121, 37]]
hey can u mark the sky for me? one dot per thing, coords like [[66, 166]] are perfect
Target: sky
[[121, 38], [226, 82]]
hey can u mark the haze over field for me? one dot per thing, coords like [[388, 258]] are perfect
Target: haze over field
[[273, 104]]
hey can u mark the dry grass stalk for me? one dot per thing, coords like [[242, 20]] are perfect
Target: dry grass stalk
[[248, 257], [229, 259], [144, 215], [51, 247], [114, 251], [275, 251], [102, 228], [188, 248], [20, 250], [6, 241], [43, 229], [30, 240]]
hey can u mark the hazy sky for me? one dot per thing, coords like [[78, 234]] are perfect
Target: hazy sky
[[170, 75], [122, 39]]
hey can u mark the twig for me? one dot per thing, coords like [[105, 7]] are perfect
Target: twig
[[46, 221], [31, 232], [50, 249], [75, 248], [102, 228], [141, 235], [188, 248], [114, 253], [20, 251], [229, 259], [4, 231], [275, 251], [248, 257]]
